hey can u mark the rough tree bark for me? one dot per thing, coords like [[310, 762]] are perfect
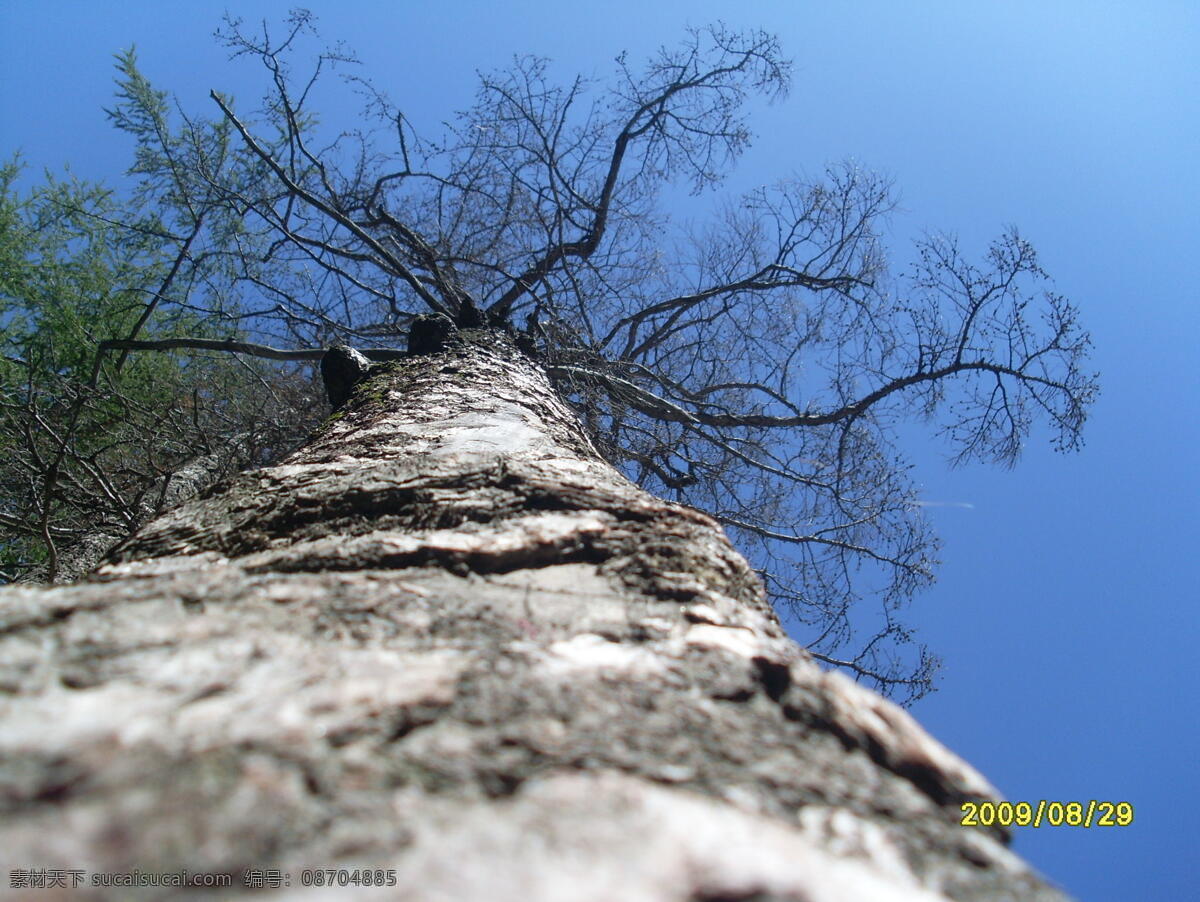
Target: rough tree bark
[[446, 637]]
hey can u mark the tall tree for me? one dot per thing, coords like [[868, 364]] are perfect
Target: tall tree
[[756, 367], [446, 645], [447, 651]]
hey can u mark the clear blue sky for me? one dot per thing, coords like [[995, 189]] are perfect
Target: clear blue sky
[[1066, 609]]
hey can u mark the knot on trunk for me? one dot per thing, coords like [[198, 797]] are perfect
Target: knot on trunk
[[342, 368], [428, 333]]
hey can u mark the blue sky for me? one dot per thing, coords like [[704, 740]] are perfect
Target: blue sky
[[1066, 609]]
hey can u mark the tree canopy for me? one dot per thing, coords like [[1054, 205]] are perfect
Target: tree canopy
[[755, 366]]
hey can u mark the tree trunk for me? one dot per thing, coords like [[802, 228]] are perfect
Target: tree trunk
[[446, 638]]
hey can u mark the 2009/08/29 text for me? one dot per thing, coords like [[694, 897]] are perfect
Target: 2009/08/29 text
[[1055, 814]]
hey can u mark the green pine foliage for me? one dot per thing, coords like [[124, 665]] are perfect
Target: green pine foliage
[[88, 441]]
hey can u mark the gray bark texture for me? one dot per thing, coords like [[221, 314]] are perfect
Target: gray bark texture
[[446, 638]]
